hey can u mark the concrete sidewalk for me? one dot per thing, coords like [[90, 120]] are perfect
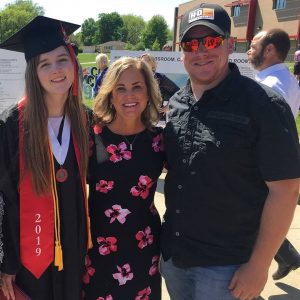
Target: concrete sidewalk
[[285, 289]]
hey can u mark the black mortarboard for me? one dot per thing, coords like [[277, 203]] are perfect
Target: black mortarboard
[[39, 36]]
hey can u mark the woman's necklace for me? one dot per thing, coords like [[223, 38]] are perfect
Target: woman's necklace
[[132, 142]]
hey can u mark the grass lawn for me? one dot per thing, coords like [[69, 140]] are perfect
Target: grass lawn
[[89, 103], [298, 124], [87, 59]]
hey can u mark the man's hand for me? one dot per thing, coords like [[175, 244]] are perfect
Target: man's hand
[[7, 286], [248, 281]]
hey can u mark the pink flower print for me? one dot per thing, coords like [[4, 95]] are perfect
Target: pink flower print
[[153, 209], [144, 237], [142, 189], [118, 152], [107, 245], [97, 129], [108, 297], [124, 274], [144, 294], [154, 268], [89, 270], [157, 143], [117, 212], [104, 186], [91, 144]]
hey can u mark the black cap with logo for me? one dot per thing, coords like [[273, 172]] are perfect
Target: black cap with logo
[[40, 35], [210, 15]]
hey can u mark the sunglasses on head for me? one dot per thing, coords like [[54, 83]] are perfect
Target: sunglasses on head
[[209, 42]]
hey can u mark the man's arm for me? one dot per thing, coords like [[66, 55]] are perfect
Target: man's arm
[[250, 279]]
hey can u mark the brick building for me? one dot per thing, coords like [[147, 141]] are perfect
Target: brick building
[[251, 16]]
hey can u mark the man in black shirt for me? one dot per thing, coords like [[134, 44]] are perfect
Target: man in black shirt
[[233, 170]]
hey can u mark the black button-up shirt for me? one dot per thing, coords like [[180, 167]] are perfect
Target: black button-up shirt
[[220, 151]]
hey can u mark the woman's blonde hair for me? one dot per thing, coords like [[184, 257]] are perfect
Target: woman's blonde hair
[[104, 111], [35, 147]]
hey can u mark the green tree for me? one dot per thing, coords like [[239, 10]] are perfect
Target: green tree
[[156, 46], [170, 35], [139, 46], [128, 46], [88, 29], [134, 27], [156, 28], [77, 39], [16, 15], [110, 28]]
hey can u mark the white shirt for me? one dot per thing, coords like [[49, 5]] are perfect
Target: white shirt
[[279, 78]]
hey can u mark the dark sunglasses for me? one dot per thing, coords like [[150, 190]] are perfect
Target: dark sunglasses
[[209, 42]]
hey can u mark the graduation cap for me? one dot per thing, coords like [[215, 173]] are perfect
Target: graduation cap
[[40, 35]]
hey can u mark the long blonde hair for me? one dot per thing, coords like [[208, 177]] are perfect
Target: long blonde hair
[[105, 113], [36, 144]]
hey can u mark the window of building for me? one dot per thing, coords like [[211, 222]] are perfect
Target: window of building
[[235, 11], [279, 4]]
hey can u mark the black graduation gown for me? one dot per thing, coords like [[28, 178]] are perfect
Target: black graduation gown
[[52, 285]]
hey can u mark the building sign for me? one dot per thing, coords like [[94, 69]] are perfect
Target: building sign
[[168, 63], [241, 60]]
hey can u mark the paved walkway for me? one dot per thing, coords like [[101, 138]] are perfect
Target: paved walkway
[[285, 289]]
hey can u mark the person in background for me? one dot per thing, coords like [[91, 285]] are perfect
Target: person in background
[[44, 148], [233, 161], [267, 53], [166, 47], [297, 64], [126, 162], [102, 64], [167, 87]]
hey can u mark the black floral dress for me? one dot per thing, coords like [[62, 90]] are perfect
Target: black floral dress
[[123, 263]]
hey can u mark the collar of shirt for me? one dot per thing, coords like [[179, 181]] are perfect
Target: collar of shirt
[[260, 76], [223, 90]]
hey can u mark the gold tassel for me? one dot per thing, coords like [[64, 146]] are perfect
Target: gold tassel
[[58, 260], [90, 244], [58, 256], [88, 222]]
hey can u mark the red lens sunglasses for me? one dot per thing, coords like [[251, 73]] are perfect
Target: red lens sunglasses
[[209, 42]]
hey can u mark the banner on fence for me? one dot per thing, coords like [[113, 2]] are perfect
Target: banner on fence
[[168, 63], [12, 77]]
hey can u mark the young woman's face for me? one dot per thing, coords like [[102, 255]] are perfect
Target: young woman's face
[[55, 71], [129, 96]]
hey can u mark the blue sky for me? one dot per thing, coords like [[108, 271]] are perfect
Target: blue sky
[[77, 11]]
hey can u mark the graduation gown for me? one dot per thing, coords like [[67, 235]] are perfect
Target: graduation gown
[[53, 284]]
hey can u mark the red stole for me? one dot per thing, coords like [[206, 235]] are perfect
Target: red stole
[[37, 215]]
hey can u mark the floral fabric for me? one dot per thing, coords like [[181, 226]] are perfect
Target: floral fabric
[[123, 263]]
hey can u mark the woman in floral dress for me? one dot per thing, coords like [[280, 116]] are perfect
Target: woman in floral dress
[[126, 161]]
